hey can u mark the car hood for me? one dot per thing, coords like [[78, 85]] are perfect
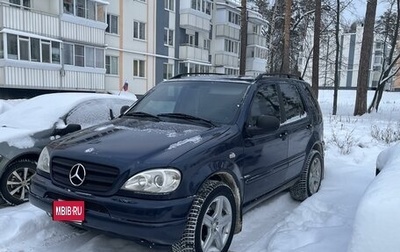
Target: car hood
[[127, 142]]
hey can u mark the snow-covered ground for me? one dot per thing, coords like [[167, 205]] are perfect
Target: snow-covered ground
[[325, 222]]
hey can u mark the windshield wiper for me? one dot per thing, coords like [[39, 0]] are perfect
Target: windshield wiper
[[142, 114], [188, 117]]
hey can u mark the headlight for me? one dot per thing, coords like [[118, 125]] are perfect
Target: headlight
[[44, 161], [154, 181]]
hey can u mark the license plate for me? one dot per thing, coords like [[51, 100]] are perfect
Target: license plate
[[69, 211]]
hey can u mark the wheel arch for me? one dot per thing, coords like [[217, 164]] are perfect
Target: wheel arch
[[24, 156], [230, 181]]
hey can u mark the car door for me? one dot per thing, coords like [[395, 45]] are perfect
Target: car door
[[299, 127], [265, 153]]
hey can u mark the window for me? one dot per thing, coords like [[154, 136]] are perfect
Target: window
[[233, 18], [292, 102], [1, 46], [265, 102], [35, 49], [99, 58], [112, 65], [45, 44], [190, 39], [169, 5], [207, 43], [89, 53], [231, 46], [112, 22], [138, 68], [68, 6], [168, 71], [24, 3], [202, 5], [68, 55], [79, 55], [55, 52], [89, 9], [12, 46], [80, 8], [23, 48], [168, 37], [139, 30]]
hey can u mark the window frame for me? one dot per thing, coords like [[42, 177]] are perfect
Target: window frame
[[139, 68], [139, 30], [169, 5], [111, 65], [111, 29], [169, 37]]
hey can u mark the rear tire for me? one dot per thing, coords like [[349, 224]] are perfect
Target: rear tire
[[16, 180], [311, 177], [211, 221]]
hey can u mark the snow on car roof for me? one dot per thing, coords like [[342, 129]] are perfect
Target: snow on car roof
[[44, 110]]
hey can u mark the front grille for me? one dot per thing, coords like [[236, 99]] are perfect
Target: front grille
[[99, 178]]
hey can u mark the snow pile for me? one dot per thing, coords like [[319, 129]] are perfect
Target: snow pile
[[377, 222]]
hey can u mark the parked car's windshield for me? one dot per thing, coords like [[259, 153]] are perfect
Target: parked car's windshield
[[217, 102]]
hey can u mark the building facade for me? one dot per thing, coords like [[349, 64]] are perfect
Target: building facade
[[98, 45], [349, 58]]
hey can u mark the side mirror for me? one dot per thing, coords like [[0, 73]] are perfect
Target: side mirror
[[69, 129], [123, 109], [265, 124]]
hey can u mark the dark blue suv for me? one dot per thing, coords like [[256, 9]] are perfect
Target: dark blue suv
[[182, 165]]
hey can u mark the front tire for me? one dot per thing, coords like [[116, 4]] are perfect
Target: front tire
[[16, 180], [211, 221], [311, 177]]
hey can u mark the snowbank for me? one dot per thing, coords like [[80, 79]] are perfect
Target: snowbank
[[377, 218]]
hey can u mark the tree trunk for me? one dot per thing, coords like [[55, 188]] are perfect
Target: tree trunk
[[317, 35], [360, 107], [243, 38], [286, 38], [337, 77]]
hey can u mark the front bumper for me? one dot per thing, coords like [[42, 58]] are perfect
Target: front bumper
[[155, 221]]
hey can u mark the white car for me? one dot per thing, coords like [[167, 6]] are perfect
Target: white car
[[31, 124]]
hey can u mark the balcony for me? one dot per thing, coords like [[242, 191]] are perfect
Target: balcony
[[228, 31], [194, 20], [227, 60], [188, 52], [28, 20], [255, 39]]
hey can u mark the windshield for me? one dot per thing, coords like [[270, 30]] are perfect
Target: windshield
[[217, 102]]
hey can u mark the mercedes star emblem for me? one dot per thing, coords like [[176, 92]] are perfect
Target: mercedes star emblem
[[77, 174]]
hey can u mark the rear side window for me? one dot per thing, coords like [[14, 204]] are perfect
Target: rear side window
[[293, 105]]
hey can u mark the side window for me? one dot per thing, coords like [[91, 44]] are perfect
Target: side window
[[89, 113], [312, 100], [292, 102], [265, 102]]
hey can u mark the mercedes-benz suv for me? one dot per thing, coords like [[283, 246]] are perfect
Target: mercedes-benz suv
[[182, 165]]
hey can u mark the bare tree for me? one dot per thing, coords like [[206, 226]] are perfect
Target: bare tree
[[286, 38], [317, 33], [243, 38], [389, 23], [360, 107], [337, 42]]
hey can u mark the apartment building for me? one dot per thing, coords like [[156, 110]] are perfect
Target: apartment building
[[98, 45], [349, 58]]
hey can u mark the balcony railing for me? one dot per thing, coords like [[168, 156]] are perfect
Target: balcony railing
[[193, 53], [28, 20]]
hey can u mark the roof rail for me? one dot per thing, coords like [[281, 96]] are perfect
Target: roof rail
[[283, 75], [178, 76]]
